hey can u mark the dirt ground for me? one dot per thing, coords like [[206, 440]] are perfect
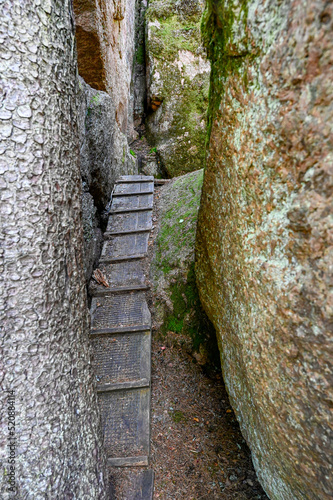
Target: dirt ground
[[197, 449]]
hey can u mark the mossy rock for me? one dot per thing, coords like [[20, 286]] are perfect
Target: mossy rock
[[178, 315], [178, 85]]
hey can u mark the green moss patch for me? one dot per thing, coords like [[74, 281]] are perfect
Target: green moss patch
[[178, 416], [188, 317], [227, 56], [184, 323], [174, 47], [179, 220], [174, 35]]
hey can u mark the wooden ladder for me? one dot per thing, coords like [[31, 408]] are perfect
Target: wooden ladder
[[121, 329]]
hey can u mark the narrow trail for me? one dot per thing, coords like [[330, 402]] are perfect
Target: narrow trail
[[194, 449], [121, 335]]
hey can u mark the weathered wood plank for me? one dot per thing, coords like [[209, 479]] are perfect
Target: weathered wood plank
[[125, 422], [125, 245], [119, 311], [134, 178], [122, 358], [130, 221]]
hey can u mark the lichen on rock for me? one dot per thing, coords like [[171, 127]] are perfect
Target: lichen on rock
[[263, 244], [178, 84]]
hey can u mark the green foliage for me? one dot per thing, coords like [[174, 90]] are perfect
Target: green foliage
[[95, 99], [189, 318], [132, 153], [94, 102], [153, 150], [178, 416], [174, 324], [173, 35]]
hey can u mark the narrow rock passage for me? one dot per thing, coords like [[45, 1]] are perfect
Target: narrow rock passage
[[121, 332], [197, 449]]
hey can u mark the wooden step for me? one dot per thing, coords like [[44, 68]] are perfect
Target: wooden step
[[134, 202], [124, 246], [108, 235], [138, 193], [134, 221], [136, 187], [122, 386], [134, 178], [125, 422], [122, 358], [119, 276], [120, 312]]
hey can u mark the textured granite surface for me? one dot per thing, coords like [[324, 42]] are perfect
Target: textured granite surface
[[45, 358], [264, 240]]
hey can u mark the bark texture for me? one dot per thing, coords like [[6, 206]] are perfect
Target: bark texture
[[45, 356], [264, 240]]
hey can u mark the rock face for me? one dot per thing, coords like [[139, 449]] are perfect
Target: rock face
[[104, 151], [105, 35], [45, 358], [177, 82], [104, 156], [138, 88], [178, 315], [89, 51], [105, 40], [264, 244]]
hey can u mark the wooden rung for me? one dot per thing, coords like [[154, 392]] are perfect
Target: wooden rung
[[133, 194], [120, 386], [120, 329], [128, 461], [129, 210], [108, 234], [119, 289], [109, 260]]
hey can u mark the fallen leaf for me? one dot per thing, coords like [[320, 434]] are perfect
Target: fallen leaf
[[100, 278]]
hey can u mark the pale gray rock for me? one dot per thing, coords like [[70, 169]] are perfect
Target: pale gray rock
[[104, 152], [104, 156], [45, 354]]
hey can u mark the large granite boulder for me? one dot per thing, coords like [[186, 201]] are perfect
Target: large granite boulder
[[264, 241], [177, 83]]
